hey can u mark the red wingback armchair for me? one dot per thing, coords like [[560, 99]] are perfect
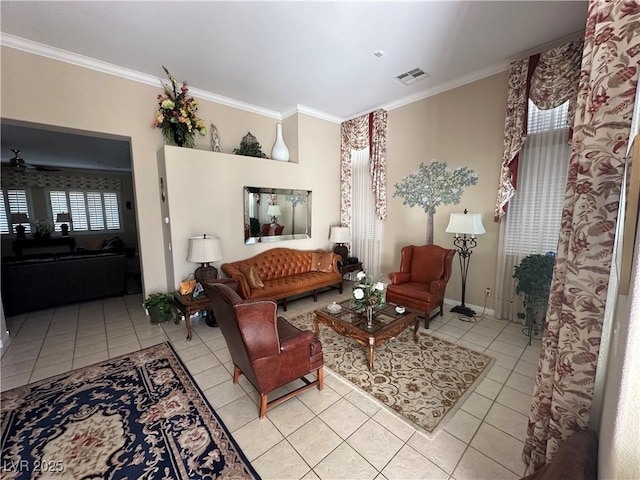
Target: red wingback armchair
[[271, 229], [267, 349], [422, 279]]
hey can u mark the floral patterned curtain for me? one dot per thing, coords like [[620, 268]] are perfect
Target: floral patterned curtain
[[378, 160], [549, 79], [556, 77], [566, 371], [514, 133], [368, 130]]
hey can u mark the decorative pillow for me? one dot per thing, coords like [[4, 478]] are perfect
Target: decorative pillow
[[252, 275], [322, 262]]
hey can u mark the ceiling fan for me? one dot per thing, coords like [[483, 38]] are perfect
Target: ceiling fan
[[20, 165]]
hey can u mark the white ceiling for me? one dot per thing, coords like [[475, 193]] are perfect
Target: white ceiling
[[311, 56]]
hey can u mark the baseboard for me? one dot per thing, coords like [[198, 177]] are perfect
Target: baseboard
[[477, 308]]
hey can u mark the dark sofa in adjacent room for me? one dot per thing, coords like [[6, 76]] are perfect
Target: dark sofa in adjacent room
[[48, 280]]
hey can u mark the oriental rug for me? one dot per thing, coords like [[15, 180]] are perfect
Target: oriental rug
[[138, 416], [423, 382]]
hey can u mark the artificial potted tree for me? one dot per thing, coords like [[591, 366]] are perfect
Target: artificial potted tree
[[160, 307], [533, 284]]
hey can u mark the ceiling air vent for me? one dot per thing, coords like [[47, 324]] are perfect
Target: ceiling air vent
[[412, 76]]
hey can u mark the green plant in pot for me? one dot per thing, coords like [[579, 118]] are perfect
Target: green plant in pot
[[160, 307], [533, 284]]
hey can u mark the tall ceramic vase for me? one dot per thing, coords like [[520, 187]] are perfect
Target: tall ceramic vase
[[280, 150]]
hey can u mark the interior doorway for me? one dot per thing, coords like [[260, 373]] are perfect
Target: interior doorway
[[50, 153]]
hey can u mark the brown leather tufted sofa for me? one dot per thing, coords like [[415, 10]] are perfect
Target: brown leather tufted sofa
[[284, 272]]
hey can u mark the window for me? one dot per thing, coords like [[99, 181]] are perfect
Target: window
[[534, 213], [13, 201], [366, 227], [90, 210], [539, 121]]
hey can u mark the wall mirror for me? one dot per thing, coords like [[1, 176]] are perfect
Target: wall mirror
[[276, 214]]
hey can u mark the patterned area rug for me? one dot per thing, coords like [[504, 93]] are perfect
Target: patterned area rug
[[136, 416], [424, 382]]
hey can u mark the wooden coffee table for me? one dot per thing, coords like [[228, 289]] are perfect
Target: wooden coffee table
[[350, 323]]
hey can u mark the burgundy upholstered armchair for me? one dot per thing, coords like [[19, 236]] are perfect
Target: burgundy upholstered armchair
[[422, 279], [266, 348]]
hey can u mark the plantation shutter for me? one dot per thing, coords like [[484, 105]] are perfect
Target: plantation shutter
[[4, 223], [111, 211], [59, 204], [78, 211], [16, 200]]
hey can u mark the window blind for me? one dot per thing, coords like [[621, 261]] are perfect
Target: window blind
[[13, 201], [535, 211], [539, 121], [90, 210]]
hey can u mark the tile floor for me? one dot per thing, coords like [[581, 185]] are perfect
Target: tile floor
[[330, 434]]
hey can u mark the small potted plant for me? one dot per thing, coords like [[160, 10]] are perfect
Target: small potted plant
[[160, 307], [533, 277]]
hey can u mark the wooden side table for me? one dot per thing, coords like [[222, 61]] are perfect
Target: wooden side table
[[189, 306], [353, 267]]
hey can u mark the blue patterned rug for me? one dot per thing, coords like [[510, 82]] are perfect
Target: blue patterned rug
[[138, 416]]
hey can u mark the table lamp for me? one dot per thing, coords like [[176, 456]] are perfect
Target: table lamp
[[19, 219], [274, 211], [340, 236], [64, 218], [204, 250]]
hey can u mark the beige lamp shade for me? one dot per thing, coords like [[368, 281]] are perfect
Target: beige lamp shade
[[274, 210], [340, 235], [204, 249], [466, 224], [63, 218], [19, 218]]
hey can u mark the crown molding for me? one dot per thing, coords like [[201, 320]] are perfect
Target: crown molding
[[80, 60], [458, 82], [474, 76], [54, 53], [318, 114], [430, 92]]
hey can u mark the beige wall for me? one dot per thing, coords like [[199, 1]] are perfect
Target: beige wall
[[462, 127], [40, 90], [215, 201]]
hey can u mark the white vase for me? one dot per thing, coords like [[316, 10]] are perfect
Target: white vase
[[280, 150]]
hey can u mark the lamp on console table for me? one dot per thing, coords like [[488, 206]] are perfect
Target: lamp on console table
[[274, 211], [19, 219], [204, 250], [340, 236], [469, 225], [65, 219]]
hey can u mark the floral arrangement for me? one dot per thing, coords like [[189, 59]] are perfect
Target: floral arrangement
[[176, 115], [367, 292], [44, 227]]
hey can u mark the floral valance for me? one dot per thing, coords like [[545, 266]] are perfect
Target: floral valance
[[556, 76], [370, 131], [549, 79], [14, 179]]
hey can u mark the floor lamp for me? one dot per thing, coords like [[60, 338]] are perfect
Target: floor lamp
[[468, 225]]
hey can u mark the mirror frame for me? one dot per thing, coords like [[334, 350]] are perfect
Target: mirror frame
[[282, 198]]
